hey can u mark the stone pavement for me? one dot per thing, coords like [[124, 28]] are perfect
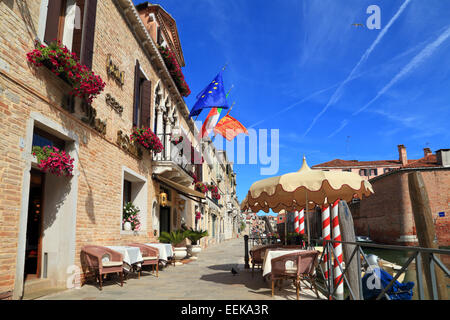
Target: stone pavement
[[208, 278]]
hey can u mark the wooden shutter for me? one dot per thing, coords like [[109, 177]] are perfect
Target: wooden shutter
[[146, 93], [137, 93], [53, 15], [89, 33]]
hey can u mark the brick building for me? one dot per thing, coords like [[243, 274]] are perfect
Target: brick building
[[371, 169], [386, 216], [45, 219]]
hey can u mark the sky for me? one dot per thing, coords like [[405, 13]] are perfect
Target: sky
[[334, 90]]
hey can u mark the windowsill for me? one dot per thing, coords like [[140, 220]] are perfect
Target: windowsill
[[133, 233]]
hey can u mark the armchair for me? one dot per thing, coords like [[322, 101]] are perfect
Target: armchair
[[150, 256], [98, 261], [296, 266]]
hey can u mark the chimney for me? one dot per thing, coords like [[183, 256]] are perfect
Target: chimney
[[443, 157], [402, 155], [427, 152]]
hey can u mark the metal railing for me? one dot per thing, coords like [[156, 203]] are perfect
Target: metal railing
[[326, 285], [418, 254], [168, 154]]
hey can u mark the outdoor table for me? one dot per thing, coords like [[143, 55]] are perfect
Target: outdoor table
[[132, 256], [274, 253], [165, 250]]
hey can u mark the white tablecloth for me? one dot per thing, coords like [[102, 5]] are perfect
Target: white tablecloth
[[271, 254], [165, 250], [131, 255]]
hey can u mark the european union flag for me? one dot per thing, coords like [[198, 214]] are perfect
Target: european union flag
[[213, 96]]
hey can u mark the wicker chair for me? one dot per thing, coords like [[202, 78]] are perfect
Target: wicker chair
[[302, 267], [98, 261], [150, 256], [257, 255]]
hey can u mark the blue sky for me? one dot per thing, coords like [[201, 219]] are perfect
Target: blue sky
[[332, 89]]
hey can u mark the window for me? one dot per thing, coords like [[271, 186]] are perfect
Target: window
[[134, 190], [373, 172], [387, 170], [73, 23], [363, 172], [126, 191], [347, 170], [42, 138], [159, 38], [142, 98]]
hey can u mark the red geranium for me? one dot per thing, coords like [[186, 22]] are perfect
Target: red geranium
[[63, 63], [175, 71], [53, 160], [146, 138]]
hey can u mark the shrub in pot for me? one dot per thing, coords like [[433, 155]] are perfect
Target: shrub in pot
[[194, 236], [175, 238]]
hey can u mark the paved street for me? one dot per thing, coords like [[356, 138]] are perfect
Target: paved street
[[208, 278]]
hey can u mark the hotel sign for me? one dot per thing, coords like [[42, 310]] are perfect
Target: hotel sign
[[114, 72]]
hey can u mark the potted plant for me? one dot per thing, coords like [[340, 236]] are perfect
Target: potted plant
[[53, 160], [147, 139], [194, 236], [130, 220], [174, 68], [64, 64], [175, 238]]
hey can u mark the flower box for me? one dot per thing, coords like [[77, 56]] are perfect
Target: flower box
[[175, 71], [58, 59], [147, 139], [53, 160]]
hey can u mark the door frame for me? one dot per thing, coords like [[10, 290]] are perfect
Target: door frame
[[29, 162]]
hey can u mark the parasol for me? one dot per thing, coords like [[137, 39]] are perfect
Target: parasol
[[294, 191]]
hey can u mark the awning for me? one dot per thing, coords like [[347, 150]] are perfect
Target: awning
[[188, 192]]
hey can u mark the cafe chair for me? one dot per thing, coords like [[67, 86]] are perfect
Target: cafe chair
[[297, 266], [97, 261], [150, 256]]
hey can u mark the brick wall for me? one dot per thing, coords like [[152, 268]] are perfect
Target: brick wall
[[25, 89], [387, 214]]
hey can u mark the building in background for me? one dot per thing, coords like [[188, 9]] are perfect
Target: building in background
[[372, 169], [387, 217]]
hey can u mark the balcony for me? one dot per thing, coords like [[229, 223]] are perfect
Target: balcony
[[173, 164]]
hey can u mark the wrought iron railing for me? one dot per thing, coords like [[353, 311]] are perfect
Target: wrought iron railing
[[168, 155]]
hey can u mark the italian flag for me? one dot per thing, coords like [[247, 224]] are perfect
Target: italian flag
[[210, 121]]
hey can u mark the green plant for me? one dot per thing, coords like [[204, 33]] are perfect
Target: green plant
[[53, 160], [242, 226], [131, 215], [174, 237], [196, 235]]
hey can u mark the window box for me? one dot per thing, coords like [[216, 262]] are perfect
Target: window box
[[175, 71], [58, 59]]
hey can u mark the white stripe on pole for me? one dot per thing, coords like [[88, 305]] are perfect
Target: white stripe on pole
[[296, 223], [302, 221], [338, 282]]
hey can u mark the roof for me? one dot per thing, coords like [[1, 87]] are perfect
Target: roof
[[428, 161], [355, 163]]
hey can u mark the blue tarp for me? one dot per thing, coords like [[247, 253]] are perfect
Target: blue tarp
[[376, 279]]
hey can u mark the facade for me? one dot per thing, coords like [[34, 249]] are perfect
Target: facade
[[219, 217], [387, 217], [372, 169], [45, 220]]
